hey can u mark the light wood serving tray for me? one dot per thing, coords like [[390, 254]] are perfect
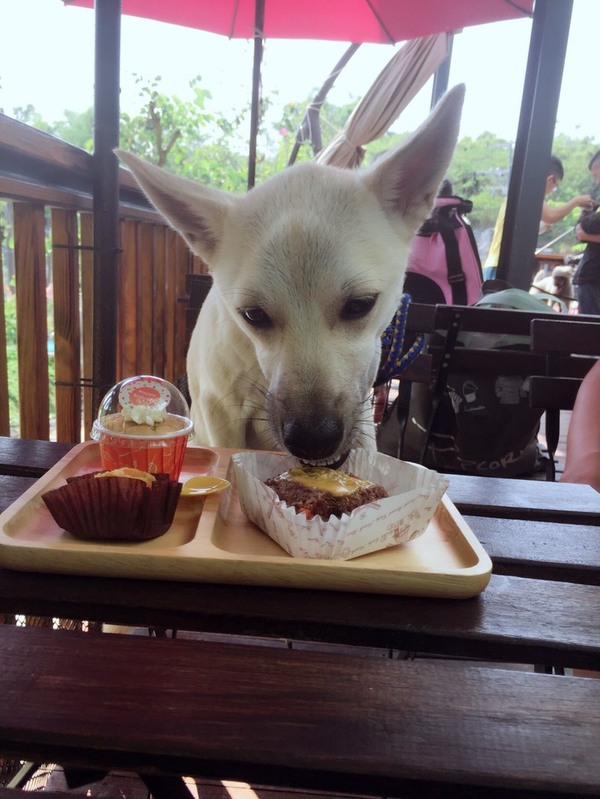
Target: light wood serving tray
[[212, 541]]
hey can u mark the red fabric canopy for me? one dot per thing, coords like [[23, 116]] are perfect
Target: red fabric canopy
[[336, 20]]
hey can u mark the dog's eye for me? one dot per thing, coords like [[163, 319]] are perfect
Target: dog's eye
[[358, 307], [256, 317]]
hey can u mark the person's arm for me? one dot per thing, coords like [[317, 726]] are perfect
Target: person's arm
[[583, 236], [554, 213], [582, 462]]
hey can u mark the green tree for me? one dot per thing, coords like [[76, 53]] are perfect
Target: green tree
[[182, 136], [77, 129], [480, 172], [169, 130], [281, 138], [187, 138], [29, 116]]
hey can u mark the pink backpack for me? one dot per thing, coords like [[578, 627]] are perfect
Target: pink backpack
[[443, 263]]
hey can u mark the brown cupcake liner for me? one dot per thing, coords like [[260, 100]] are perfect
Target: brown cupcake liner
[[114, 508]]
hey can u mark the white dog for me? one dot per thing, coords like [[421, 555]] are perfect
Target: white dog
[[308, 271]]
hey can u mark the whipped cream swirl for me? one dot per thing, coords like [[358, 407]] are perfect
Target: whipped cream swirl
[[146, 414]]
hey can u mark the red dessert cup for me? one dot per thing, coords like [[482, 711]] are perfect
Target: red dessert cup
[[143, 423]]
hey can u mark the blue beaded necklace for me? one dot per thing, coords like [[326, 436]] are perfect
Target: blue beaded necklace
[[392, 340]]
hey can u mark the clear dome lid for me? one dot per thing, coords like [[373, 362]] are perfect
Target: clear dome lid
[[143, 400]]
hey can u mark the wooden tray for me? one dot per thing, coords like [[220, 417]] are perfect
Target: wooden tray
[[212, 541]]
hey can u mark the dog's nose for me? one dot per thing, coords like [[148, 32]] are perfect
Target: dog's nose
[[313, 439]]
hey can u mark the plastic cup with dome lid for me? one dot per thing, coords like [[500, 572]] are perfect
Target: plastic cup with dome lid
[[143, 422]]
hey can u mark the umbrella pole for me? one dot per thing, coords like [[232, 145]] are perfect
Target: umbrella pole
[[442, 74], [255, 107], [106, 196], [310, 127]]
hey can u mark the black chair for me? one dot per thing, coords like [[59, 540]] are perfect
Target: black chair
[[570, 350], [446, 327]]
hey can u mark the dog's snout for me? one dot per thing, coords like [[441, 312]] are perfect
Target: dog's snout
[[313, 439]]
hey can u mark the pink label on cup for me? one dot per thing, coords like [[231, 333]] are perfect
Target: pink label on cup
[[148, 393]]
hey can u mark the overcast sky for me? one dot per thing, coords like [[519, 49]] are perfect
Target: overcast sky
[[47, 60]]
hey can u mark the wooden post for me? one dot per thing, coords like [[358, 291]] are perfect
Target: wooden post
[[106, 195]]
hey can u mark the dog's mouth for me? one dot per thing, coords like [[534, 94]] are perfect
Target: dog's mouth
[[330, 463], [315, 440]]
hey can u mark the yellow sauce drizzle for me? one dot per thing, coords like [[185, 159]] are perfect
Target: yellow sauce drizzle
[[330, 480], [126, 471]]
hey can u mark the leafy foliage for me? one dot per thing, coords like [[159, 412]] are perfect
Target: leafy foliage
[[186, 138], [77, 129], [170, 130]]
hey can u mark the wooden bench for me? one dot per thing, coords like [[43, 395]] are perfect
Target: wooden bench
[[298, 719]]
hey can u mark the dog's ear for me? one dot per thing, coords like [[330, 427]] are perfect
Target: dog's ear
[[196, 211], [407, 179]]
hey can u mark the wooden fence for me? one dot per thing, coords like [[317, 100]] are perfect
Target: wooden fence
[[46, 186]]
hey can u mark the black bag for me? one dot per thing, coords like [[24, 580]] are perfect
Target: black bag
[[469, 423], [482, 425]]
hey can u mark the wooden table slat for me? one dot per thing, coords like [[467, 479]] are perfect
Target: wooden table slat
[[525, 499], [543, 550], [16, 793], [475, 496], [283, 717], [514, 619], [29, 457], [11, 488]]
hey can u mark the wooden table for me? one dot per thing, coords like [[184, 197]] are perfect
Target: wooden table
[[348, 691]]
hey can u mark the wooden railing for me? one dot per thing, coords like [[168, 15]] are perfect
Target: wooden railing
[[48, 187]]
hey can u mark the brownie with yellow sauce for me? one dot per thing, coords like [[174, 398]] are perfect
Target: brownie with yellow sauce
[[324, 492]]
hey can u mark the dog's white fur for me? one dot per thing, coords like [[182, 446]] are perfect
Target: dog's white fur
[[307, 273]]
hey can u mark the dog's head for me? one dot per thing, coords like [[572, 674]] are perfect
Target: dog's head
[[310, 267]]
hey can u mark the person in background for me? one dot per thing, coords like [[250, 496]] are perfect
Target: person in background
[[550, 215], [587, 274], [582, 461]]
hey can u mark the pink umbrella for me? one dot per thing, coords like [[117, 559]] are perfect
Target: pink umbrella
[[383, 21], [338, 20]]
